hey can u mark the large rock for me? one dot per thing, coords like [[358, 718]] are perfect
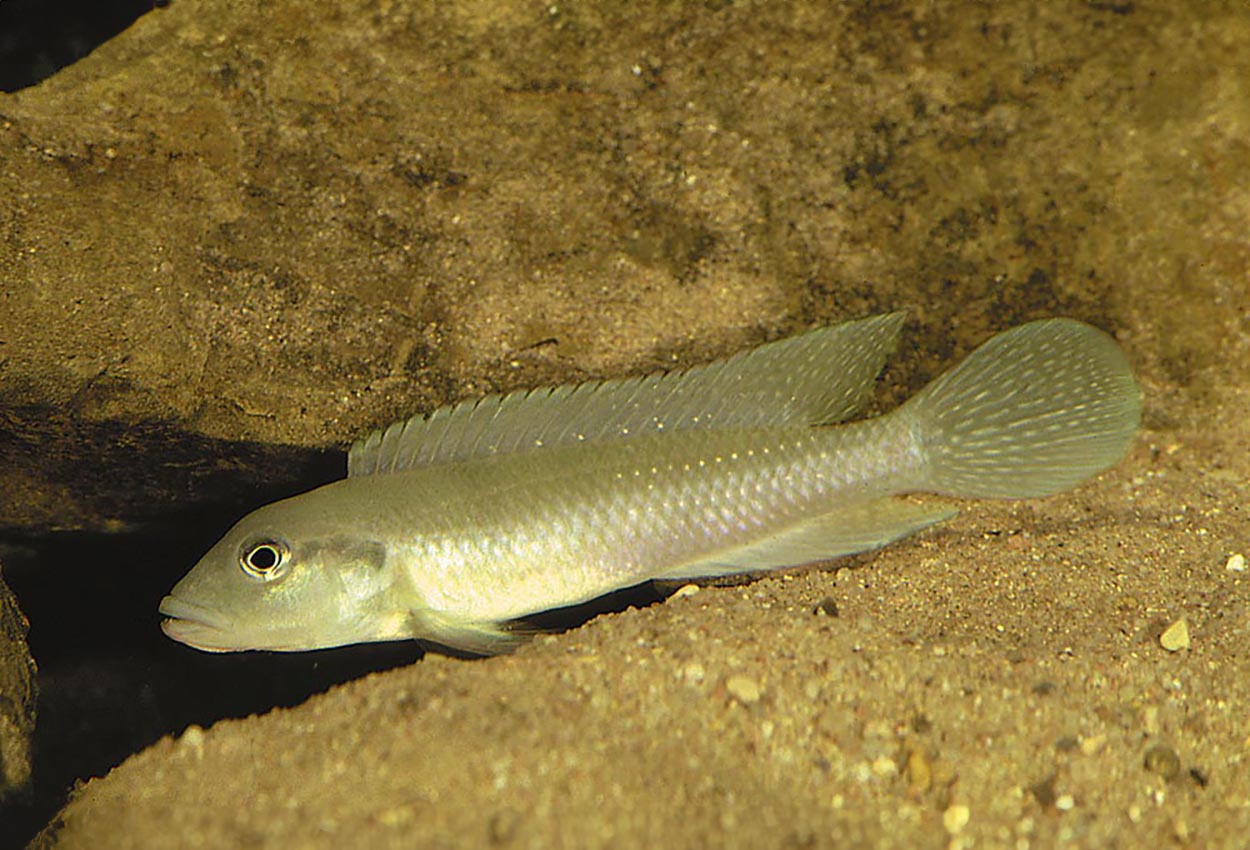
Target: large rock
[[291, 223], [17, 697]]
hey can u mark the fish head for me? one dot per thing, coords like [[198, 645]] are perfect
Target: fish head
[[278, 582]]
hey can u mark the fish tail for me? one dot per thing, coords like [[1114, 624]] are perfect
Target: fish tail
[[1035, 410]]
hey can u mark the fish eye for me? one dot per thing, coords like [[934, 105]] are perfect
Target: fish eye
[[264, 559]]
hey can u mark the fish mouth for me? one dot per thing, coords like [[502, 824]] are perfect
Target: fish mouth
[[196, 626]]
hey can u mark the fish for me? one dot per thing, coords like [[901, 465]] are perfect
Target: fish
[[452, 528]]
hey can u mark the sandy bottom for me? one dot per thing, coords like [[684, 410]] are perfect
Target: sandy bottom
[[996, 682]]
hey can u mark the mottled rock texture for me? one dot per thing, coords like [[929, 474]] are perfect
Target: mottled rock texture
[[292, 222], [17, 697]]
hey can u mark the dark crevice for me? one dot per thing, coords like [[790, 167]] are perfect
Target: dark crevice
[[110, 683], [39, 37]]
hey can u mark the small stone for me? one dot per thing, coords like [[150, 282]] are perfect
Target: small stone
[[919, 772], [827, 607], [1236, 563], [743, 688], [1044, 792], [883, 767], [193, 739], [686, 590], [693, 673], [1065, 802], [955, 818], [1067, 744], [1093, 745], [1181, 828], [1162, 760], [1176, 636]]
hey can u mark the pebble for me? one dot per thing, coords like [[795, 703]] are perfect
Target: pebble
[[1236, 563], [743, 688], [686, 590], [883, 767], [193, 739], [827, 607], [919, 772], [1093, 745], [955, 818], [1176, 636], [1067, 744], [1044, 792], [1163, 760]]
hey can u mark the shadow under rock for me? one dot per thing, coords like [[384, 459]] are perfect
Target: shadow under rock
[[110, 683]]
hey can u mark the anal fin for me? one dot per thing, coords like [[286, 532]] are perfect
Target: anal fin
[[856, 528]]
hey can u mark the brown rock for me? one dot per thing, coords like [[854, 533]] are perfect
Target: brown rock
[[17, 697]]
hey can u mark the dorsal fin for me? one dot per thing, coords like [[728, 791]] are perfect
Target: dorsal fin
[[821, 376]]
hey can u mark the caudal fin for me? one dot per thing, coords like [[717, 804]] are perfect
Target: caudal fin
[[1035, 410]]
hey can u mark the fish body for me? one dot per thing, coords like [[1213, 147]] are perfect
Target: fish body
[[450, 527]]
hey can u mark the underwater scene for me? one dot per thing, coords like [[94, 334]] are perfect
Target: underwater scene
[[625, 425]]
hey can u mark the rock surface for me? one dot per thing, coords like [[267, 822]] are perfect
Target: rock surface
[[17, 697], [288, 222], [294, 223]]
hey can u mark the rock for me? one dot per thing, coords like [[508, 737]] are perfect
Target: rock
[[233, 226], [17, 697], [1176, 636], [955, 818], [1093, 744], [1162, 760], [215, 238], [744, 689], [919, 772], [827, 607]]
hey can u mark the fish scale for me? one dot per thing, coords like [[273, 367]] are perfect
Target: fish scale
[[621, 516]]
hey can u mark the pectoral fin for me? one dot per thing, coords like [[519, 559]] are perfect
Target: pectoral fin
[[475, 637]]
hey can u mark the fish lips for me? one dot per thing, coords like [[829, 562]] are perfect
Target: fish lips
[[195, 626]]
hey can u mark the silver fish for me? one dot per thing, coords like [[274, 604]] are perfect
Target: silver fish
[[450, 527]]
